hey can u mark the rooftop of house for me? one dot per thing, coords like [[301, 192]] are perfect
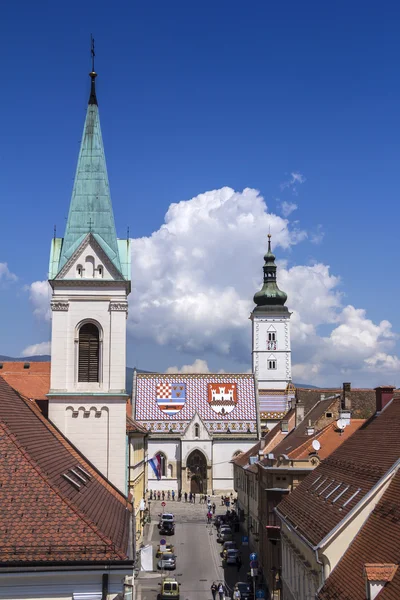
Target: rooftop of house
[[133, 426], [329, 438], [30, 379], [333, 489], [56, 506], [373, 555], [362, 399]]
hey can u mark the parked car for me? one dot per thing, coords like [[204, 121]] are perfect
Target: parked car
[[167, 562], [231, 556], [167, 528], [169, 549], [169, 589], [226, 546], [246, 590], [165, 518], [225, 535]]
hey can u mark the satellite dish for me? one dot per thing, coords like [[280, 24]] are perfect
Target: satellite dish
[[341, 424], [316, 445]]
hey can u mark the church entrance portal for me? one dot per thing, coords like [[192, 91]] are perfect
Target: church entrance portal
[[197, 471]]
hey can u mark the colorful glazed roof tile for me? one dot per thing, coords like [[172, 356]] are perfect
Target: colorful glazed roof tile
[[273, 402], [56, 506], [156, 402]]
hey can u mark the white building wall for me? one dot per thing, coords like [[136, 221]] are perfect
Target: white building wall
[[272, 378], [171, 450], [59, 584], [222, 468]]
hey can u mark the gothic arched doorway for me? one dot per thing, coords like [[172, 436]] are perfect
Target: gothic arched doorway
[[197, 472]]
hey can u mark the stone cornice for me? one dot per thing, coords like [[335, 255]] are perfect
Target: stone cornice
[[59, 305]]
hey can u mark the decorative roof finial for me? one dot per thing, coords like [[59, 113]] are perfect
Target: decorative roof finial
[[92, 74], [270, 297]]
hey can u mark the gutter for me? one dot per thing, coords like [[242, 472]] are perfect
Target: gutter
[[80, 565]]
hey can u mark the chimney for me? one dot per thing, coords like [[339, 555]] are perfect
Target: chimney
[[346, 401], [262, 443], [383, 394], [299, 407], [310, 428], [322, 397]]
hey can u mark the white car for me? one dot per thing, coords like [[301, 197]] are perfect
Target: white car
[[166, 518]]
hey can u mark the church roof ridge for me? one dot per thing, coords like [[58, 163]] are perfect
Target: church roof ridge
[[194, 375]]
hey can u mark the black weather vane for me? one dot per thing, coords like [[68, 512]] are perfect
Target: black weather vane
[[92, 52]]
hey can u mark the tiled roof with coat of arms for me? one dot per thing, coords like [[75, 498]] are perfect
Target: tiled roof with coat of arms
[[172, 399]]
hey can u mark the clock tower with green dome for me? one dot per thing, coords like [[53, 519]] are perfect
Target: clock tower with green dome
[[271, 331]]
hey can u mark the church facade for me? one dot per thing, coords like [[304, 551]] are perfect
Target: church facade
[[198, 424]]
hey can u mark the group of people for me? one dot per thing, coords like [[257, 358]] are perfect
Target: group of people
[[164, 495], [219, 588]]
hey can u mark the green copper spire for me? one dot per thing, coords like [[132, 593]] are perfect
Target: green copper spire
[[270, 297], [91, 210]]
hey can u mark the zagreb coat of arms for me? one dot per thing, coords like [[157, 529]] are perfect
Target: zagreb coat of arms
[[222, 397]]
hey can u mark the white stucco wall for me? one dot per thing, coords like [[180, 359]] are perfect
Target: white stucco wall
[[171, 449], [58, 584], [272, 378], [222, 468]]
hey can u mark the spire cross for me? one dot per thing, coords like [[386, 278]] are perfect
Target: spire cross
[[92, 52], [90, 223]]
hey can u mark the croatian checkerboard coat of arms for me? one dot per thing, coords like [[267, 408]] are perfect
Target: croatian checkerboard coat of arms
[[222, 397], [171, 397]]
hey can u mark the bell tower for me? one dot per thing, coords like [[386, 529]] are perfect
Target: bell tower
[[270, 318], [89, 274]]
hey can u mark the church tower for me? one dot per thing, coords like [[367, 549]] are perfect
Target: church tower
[[271, 331], [89, 274]]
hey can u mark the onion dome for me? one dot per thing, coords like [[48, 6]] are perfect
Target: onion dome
[[270, 297]]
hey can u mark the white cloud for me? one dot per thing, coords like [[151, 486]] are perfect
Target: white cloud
[[296, 179], [37, 349], [287, 208], [39, 295], [199, 366], [194, 278], [317, 236], [5, 273]]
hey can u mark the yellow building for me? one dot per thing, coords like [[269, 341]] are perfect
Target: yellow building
[[137, 436]]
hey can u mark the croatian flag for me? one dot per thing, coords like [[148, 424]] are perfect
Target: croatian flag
[[155, 463]]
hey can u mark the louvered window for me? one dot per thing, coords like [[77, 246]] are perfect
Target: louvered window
[[88, 353]]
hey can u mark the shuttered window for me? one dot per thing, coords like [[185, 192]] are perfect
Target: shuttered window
[[88, 353]]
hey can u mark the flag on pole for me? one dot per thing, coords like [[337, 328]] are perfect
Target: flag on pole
[[155, 464]]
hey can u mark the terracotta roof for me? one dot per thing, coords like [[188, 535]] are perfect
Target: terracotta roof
[[363, 401], [56, 506], [374, 552], [346, 476], [32, 383], [271, 440], [329, 438], [380, 572], [299, 435], [134, 427]]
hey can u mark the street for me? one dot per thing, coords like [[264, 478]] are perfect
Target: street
[[198, 560]]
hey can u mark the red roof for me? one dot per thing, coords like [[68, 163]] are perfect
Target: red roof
[[32, 383], [55, 506], [133, 426], [329, 438], [374, 553], [348, 474]]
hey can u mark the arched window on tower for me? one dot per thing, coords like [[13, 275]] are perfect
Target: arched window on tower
[[89, 353]]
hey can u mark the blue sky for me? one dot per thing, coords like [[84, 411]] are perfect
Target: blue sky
[[194, 97]]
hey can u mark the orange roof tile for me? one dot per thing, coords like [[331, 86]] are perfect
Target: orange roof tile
[[32, 383], [330, 438], [380, 572]]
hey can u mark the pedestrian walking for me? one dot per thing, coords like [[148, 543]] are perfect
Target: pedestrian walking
[[209, 517], [236, 593], [222, 501], [194, 497], [221, 591], [213, 508], [173, 495], [158, 495], [180, 495], [185, 496], [169, 495], [214, 589], [238, 563], [163, 495], [190, 497]]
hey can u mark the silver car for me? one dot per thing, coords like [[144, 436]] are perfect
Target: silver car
[[167, 563]]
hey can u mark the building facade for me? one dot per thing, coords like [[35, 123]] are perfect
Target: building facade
[[197, 423], [89, 274]]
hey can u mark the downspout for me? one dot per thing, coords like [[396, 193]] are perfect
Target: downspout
[[104, 586]]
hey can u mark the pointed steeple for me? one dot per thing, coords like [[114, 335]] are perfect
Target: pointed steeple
[[270, 297], [91, 210]]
